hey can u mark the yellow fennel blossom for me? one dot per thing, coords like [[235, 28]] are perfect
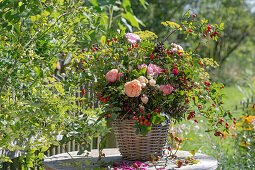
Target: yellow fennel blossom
[[209, 62], [146, 35], [171, 25]]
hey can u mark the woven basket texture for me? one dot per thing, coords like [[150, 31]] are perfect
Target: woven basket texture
[[139, 147]]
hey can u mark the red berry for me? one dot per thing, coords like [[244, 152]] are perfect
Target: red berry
[[169, 148], [135, 165], [151, 56], [99, 157], [83, 50], [213, 104], [206, 31], [109, 115], [194, 16], [103, 155], [227, 127], [179, 164], [83, 92], [63, 54], [103, 166], [92, 48], [234, 118], [137, 45], [234, 122], [186, 162], [187, 101], [129, 49], [177, 139], [204, 35], [209, 26], [195, 120], [190, 30], [199, 106], [193, 98]]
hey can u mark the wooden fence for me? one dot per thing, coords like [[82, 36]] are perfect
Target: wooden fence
[[245, 104]]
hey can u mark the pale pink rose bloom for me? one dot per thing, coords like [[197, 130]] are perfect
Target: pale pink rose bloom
[[154, 70], [143, 85], [176, 47], [132, 38], [112, 76], [144, 99], [133, 88], [166, 89], [142, 66], [143, 79], [152, 82]]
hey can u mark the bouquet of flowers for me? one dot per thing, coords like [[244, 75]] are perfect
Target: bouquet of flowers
[[138, 77]]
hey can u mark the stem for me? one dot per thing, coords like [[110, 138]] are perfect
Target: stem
[[110, 18]]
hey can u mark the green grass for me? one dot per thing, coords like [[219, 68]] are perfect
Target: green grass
[[233, 96]]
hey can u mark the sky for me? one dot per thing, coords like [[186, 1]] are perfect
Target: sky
[[252, 4]]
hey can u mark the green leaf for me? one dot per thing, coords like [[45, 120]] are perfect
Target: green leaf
[[16, 29], [117, 109], [142, 71], [94, 2], [45, 13], [157, 118], [143, 3], [40, 155], [52, 127], [44, 149], [103, 40], [33, 18], [127, 5], [128, 16]]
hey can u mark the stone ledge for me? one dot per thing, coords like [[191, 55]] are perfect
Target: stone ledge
[[64, 162]]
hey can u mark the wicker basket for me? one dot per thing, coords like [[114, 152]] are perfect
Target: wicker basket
[[138, 147]]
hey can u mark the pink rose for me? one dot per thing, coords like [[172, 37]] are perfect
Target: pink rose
[[133, 88], [176, 47], [166, 89], [152, 82], [142, 66], [132, 38], [175, 71], [143, 79], [112, 76], [153, 70]]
